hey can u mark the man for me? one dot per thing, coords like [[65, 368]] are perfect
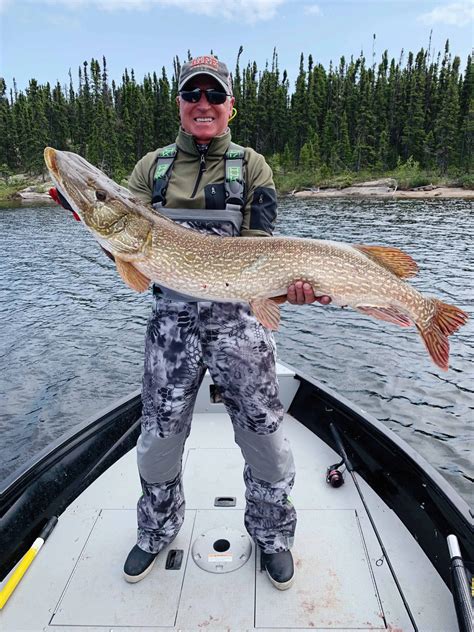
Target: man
[[209, 184]]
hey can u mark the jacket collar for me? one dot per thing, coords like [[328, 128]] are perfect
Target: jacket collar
[[217, 147]]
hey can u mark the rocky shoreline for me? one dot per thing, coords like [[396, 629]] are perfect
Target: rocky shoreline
[[32, 195], [387, 188], [384, 188]]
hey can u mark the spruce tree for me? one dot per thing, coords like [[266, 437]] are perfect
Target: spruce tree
[[466, 118], [446, 131], [8, 152]]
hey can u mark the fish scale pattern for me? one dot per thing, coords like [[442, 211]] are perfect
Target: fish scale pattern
[[182, 340]]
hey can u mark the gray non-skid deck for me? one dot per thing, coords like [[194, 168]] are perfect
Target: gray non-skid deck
[[342, 581]]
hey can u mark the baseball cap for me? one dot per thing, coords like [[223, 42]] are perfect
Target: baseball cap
[[206, 65]]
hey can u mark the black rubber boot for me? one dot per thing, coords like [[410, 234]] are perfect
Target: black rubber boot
[[279, 568], [138, 564]]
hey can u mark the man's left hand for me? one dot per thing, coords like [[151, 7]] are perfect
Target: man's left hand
[[300, 293]]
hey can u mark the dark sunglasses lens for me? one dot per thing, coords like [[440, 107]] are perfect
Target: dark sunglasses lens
[[215, 97], [191, 96]]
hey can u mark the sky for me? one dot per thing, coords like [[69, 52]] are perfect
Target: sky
[[44, 39]]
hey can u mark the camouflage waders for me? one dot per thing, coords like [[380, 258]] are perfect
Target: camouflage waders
[[182, 340]]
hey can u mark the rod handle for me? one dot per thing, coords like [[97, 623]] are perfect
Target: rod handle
[[26, 561]]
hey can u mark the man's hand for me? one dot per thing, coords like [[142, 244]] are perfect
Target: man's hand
[[300, 293]]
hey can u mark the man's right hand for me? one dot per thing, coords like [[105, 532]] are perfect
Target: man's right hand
[[300, 293]]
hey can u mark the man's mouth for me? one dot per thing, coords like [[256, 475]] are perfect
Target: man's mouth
[[202, 119]]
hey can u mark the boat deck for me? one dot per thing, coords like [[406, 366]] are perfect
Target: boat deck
[[342, 581]]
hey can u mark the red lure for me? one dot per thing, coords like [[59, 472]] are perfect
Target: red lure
[[53, 193]]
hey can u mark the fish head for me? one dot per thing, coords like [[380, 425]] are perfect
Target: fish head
[[99, 201]]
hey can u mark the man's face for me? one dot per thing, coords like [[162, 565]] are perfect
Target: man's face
[[201, 119]]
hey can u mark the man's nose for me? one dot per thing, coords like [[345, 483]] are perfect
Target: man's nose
[[203, 102]]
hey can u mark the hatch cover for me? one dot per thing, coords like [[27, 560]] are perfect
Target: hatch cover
[[97, 594]]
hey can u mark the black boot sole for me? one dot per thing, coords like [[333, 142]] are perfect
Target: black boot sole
[[281, 585], [133, 579]]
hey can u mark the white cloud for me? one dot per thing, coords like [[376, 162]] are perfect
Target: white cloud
[[250, 11], [247, 10], [313, 9], [456, 13]]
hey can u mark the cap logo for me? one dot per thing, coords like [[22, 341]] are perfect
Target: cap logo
[[206, 60]]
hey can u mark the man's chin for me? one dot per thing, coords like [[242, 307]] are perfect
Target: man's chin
[[205, 131]]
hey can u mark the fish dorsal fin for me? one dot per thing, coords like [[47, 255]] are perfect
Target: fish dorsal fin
[[393, 259], [132, 277], [267, 312]]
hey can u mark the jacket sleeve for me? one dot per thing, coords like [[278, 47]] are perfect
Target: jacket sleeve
[[140, 182], [260, 208]]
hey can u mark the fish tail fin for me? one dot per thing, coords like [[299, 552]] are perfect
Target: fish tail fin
[[445, 321]]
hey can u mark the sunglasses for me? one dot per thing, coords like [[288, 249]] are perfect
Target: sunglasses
[[214, 97]]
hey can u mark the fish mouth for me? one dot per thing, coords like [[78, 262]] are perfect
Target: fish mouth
[[50, 159]]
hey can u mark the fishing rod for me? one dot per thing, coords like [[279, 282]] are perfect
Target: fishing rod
[[349, 467], [26, 561], [461, 596]]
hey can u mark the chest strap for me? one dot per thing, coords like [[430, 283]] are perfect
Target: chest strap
[[234, 183], [234, 178], [164, 165]]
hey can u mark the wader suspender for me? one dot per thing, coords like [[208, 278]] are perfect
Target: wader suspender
[[234, 176], [164, 163]]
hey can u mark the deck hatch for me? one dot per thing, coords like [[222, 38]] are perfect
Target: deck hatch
[[97, 595], [218, 601], [333, 588]]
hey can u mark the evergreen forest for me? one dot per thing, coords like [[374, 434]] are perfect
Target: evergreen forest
[[417, 110]]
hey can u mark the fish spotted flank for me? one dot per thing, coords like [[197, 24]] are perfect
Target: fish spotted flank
[[148, 247]]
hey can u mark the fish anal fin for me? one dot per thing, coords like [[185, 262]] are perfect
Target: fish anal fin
[[267, 312], [131, 276], [393, 259], [388, 314], [445, 321], [437, 345]]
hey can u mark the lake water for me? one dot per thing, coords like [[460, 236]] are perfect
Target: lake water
[[72, 333]]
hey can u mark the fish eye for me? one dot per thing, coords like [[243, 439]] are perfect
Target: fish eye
[[100, 195]]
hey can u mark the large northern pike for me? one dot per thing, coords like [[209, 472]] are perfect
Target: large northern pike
[[149, 247]]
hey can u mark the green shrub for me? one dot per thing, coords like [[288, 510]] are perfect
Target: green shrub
[[466, 181]]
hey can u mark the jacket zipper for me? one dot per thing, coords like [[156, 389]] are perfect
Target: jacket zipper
[[202, 169]]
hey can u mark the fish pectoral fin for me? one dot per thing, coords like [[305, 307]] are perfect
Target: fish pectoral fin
[[389, 314], [267, 312], [279, 299], [393, 259], [132, 277]]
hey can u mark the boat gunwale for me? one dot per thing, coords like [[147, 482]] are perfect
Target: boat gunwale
[[39, 460], [440, 510], [444, 485], [47, 484]]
